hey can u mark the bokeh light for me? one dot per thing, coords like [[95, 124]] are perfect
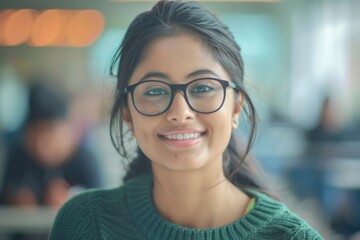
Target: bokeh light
[[53, 27], [49, 28], [4, 17], [85, 27]]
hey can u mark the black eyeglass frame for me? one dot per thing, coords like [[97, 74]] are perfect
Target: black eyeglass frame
[[181, 87]]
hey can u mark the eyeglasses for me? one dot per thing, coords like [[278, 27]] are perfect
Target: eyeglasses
[[204, 95]]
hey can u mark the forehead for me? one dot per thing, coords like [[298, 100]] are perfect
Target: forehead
[[177, 56], [174, 43]]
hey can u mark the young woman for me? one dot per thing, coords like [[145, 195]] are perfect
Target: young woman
[[180, 91]]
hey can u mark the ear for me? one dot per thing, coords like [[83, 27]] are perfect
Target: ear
[[127, 118], [239, 101]]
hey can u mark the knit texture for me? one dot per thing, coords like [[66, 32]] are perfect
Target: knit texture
[[128, 212]]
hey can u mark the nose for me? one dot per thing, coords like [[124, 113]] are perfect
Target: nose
[[179, 110]]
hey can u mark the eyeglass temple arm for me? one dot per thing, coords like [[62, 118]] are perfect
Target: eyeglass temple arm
[[233, 85]]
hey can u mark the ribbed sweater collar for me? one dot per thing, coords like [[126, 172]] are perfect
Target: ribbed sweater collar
[[154, 226]]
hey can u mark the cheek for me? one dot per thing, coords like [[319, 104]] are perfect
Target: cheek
[[141, 126], [222, 126], [144, 128], [226, 113], [224, 116]]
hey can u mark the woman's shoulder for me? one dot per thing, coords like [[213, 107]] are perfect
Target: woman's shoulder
[[103, 199], [94, 198], [83, 214], [275, 217]]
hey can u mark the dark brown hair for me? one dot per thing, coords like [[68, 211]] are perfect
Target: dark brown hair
[[168, 18]]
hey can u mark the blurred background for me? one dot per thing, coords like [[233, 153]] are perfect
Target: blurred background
[[302, 62]]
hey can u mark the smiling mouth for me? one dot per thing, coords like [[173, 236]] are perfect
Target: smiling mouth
[[184, 136], [183, 140]]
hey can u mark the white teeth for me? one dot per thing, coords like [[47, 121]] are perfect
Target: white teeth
[[183, 136]]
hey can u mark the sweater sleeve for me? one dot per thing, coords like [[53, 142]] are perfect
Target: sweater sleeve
[[76, 220], [306, 233]]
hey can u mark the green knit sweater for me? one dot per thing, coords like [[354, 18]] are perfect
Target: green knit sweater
[[129, 213]]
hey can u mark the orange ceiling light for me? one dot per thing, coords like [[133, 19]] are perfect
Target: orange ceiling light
[[85, 27], [4, 16], [18, 26], [54, 27], [49, 28]]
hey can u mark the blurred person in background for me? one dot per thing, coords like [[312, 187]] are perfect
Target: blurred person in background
[[330, 173], [45, 161], [328, 126]]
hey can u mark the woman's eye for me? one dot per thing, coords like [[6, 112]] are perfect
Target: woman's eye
[[155, 92], [201, 89]]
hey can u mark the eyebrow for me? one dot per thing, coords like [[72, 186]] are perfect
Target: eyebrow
[[201, 72], [166, 77], [155, 75]]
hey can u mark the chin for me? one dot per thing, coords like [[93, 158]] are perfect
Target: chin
[[182, 162]]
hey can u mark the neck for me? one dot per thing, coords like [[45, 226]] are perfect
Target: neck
[[197, 199]]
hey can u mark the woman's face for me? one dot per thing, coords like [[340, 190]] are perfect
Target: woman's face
[[181, 139]]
